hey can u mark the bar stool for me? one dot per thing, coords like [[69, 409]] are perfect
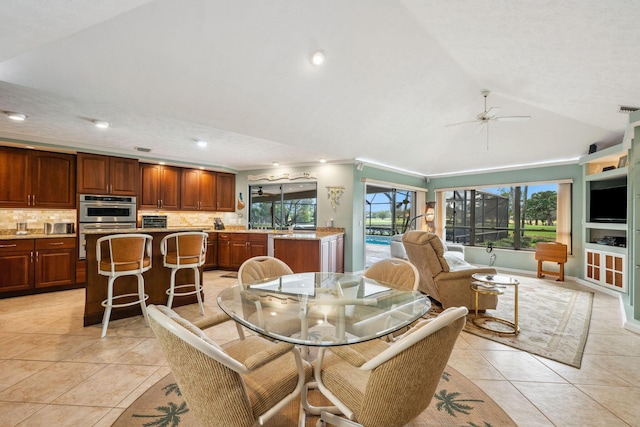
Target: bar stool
[[184, 250], [126, 255]]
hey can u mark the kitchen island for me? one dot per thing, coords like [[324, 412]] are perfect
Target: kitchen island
[[304, 252], [156, 280]]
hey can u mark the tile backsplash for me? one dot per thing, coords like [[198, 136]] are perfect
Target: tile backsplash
[[34, 218], [188, 219]]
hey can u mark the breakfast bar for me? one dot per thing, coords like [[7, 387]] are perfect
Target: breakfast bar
[[156, 280]]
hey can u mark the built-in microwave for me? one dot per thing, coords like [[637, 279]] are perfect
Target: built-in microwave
[[98, 208]]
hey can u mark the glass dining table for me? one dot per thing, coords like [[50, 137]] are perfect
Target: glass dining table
[[322, 309]]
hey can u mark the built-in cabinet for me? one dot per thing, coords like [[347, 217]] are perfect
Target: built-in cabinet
[[211, 260], [198, 190], [605, 261], [236, 248], [36, 179], [99, 174], [31, 264], [225, 192], [325, 254], [159, 187]]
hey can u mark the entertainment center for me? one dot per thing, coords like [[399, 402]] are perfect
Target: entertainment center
[[605, 216]]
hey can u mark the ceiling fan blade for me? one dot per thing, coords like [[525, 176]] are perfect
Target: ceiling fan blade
[[492, 112], [512, 118], [461, 123]]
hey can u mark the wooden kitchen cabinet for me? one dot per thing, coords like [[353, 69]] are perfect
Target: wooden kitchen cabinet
[[303, 255], [37, 179], [225, 192], [236, 248], [34, 264], [211, 260], [99, 174], [16, 265], [198, 190], [159, 187], [55, 262]]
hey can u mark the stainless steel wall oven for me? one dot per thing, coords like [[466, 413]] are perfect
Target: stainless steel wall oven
[[104, 212]]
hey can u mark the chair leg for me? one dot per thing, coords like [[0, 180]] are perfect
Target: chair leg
[[196, 275], [107, 307], [172, 287], [141, 295]]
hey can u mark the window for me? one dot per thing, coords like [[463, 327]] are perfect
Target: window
[[388, 210], [515, 217], [279, 206]]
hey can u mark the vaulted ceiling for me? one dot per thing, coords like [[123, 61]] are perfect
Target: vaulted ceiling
[[237, 73]]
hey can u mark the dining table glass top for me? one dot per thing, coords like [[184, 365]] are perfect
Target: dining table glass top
[[322, 309]]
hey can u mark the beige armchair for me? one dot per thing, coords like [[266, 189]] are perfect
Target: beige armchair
[[242, 383], [444, 275], [376, 384]]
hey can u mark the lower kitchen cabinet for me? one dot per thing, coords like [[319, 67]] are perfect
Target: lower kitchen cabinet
[[33, 265], [325, 254], [236, 248], [211, 260], [606, 268]]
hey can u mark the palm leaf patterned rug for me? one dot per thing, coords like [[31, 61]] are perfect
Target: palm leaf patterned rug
[[457, 402]]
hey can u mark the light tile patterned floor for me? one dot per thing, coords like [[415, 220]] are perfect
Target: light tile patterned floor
[[55, 372]]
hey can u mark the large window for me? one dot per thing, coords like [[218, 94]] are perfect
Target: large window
[[515, 217], [279, 206], [389, 210]]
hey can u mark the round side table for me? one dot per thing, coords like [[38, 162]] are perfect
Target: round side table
[[492, 284]]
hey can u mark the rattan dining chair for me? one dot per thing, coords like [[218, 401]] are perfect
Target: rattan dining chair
[[242, 383], [262, 267], [377, 384], [395, 271]]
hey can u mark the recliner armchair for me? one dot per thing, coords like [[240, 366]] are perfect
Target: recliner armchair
[[444, 275]]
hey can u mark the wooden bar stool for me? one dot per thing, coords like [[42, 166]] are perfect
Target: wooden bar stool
[[185, 250], [125, 255]]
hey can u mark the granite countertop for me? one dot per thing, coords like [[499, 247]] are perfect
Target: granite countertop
[[34, 236], [146, 230]]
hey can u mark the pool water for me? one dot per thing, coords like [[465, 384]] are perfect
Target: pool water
[[378, 240]]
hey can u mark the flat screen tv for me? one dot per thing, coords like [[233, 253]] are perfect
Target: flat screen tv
[[608, 204]]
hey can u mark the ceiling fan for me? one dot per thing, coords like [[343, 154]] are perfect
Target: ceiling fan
[[490, 115]]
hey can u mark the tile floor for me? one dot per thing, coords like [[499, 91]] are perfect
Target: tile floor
[[55, 372]]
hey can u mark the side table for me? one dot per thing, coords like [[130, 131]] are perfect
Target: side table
[[492, 284]]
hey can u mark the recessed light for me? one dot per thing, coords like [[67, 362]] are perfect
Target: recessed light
[[18, 117], [201, 168], [162, 163], [201, 143], [317, 58], [101, 124], [323, 160], [276, 164]]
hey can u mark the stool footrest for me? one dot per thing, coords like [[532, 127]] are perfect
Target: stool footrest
[[125, 304]]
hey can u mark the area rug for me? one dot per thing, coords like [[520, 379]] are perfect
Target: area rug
[[457, 402], [553, 319]]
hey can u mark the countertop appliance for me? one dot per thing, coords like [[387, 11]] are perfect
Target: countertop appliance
[[154, 221], [100, 212], [59, 228]]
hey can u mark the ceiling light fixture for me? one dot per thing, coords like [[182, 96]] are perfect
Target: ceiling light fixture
[[323, 160], [18, 117], [201, 143], [276, 164], [101, 124], [318, 57]]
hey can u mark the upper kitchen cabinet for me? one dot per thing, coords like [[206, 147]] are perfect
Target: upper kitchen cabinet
[[107, 175], [36, 179], [198, 190], [226, 192], [159, 187]]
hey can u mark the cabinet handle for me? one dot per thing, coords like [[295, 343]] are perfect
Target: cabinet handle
[[161, 203], [33, 200], [29, 200], [31, 257], [36, 256], [56, 243], [8, 246]]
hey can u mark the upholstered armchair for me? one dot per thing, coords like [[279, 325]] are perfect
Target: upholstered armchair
[[444, 275]]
